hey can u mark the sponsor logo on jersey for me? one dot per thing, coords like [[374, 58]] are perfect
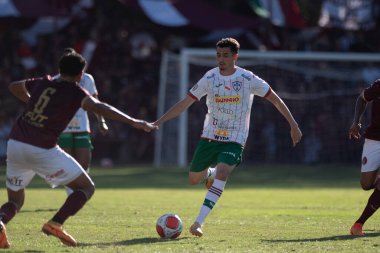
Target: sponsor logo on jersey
[[364, 161], [221, 138], [17, 181], [222, 132], [246, 77], [212, 76], [237, 85], [227, 100], [225, 110], [55, 175], [224, 124]]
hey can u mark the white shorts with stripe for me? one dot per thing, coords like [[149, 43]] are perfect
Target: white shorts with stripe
[[370, 155], [54, 165]]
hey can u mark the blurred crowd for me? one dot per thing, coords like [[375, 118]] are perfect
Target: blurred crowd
[[126, 65]]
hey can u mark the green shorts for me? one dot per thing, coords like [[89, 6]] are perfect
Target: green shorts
[[210, 152], [75, 140]]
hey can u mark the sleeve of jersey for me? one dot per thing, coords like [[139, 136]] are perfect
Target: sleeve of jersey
[[31, 83], [90, 85], [260, 87], [199, 90]]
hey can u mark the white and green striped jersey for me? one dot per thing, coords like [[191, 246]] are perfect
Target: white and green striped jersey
[[229, 102]]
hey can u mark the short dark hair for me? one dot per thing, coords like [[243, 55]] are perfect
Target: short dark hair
[[71, 64], [232, 43], [69, 50]]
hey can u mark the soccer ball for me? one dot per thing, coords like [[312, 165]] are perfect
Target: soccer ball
[[169, 226]]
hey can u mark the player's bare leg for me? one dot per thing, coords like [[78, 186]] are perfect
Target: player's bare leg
[[83, 189], [212, 196], [368, 181], [197, 177], [7, 211], [83, 157], [207, 176]]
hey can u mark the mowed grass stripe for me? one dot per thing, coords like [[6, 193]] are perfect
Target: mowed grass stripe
[[266, 218]]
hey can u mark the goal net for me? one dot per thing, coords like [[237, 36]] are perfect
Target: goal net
[[320, 89]]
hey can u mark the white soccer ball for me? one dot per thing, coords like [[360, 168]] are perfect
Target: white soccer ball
[[169, 226]]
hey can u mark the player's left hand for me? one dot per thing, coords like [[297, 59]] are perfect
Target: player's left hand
[[296, 135], [103, 128], [354, 132]]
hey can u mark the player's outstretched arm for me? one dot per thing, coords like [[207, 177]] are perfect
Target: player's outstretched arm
[[91, 104], [175, 110], [360, 106], [102, 125], [18, 89], [295, 132]]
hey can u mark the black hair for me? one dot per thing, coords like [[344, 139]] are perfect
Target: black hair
[[69, 50], [232, 43], [71, 64]]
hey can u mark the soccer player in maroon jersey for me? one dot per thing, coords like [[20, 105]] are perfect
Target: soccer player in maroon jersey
[[371, 152], [32, 147]]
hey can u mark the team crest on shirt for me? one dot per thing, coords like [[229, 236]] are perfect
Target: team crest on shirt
[[364, 160], [237, 85]]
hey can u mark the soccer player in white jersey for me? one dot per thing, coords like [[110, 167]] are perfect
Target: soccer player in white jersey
[[230, 91], [76, 139]]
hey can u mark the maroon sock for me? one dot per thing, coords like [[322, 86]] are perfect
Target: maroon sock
[[7, 212], [371, 207], [72, 205]]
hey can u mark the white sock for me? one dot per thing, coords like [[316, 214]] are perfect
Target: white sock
[[212, 197]]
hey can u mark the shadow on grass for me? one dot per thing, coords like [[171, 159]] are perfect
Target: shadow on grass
[[23, 251], [38, 210], [323, 239], [147, 240]]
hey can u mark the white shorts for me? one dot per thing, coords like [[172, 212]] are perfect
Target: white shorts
[[53, 165], [371, 155]]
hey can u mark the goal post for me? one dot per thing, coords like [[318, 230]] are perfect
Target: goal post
[[303, 79]]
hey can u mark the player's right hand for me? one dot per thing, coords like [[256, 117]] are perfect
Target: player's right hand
[[354, 132], [147, 127], [296, 135], [156, 123]]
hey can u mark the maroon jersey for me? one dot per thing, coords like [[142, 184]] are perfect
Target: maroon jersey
[[52, 105], [372, 93]]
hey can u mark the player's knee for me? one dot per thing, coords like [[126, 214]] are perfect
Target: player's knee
[[222, 175], [90, 190], [366, 186], [193, 180]]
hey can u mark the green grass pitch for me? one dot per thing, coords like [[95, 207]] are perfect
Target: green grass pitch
[[263, 209]]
